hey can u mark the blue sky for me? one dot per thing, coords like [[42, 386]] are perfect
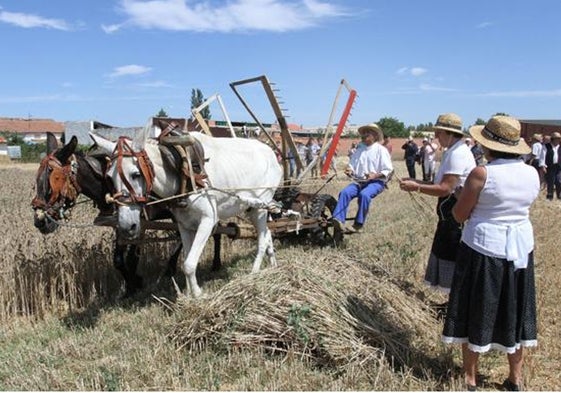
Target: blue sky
[[120, 61]]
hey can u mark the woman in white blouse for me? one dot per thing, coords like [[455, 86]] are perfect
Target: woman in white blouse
[[456, 164], [492, 298]]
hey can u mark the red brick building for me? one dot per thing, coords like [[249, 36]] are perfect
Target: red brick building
[[32, 130], [544, 127]]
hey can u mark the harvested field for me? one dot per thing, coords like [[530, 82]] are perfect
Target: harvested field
[[355, 318]]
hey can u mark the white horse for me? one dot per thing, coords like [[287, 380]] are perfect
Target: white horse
[[243, 175]]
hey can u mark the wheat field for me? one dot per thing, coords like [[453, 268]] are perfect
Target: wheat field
[[353, 318]]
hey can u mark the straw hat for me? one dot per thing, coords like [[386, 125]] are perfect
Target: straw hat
[[501, 133], [537, 137], [372, 128], [556, 135], [476, 128], [449, 122]]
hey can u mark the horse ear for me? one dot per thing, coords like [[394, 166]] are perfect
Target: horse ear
[[67, 150], [52, 143], [105, 145], [139, 140]]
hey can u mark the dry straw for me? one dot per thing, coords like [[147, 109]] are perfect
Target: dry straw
[[335, 312]]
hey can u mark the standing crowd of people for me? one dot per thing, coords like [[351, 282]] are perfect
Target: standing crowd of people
[[482, 251]]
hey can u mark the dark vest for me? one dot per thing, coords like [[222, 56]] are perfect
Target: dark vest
[[549, 155]]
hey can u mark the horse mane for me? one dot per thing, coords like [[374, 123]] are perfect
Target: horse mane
[[91, 177]]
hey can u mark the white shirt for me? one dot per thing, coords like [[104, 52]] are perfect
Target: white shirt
[[537, 148], [499, 225], [371, 159], [457, 160], [429, 153]]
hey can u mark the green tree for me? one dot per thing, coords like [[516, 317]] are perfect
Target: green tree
[[424, 127], [480, 122], [162, 113], [30, 152], [197, 99], [393, 127]]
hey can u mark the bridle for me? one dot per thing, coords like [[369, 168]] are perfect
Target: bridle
[[60, 186], [122, 150]]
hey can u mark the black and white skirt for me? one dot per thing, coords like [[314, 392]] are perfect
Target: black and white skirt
[[440, 268], [491, 305]]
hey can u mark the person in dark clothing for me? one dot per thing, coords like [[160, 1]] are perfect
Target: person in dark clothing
[[550, 163], [477, 152], [411, 152]]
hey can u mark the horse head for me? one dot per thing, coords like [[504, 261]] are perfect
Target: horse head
[[132, 175], [56, 185]]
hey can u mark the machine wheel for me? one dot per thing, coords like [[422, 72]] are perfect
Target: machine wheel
[[322, 208]]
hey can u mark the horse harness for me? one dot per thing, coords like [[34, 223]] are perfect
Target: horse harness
[[177, 155], [186, 158], [123, 149], [64, 187]]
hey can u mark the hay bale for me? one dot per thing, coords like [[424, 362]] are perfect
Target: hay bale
[[332, 309]]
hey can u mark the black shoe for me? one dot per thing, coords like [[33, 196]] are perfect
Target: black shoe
[[510, 387], [471, 388]]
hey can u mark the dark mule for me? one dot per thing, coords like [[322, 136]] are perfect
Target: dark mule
[[64, 174]]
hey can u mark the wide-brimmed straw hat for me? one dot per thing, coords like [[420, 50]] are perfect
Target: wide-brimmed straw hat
[[449, 122], [476, 128], [372, 128], [501, 133]]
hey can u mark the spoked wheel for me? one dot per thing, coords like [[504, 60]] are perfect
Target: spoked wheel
[[322, 208]]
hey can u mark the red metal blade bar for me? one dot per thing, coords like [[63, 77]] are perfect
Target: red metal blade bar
[[338, 132]]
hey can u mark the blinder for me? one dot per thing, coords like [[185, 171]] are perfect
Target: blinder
[[129, 195]]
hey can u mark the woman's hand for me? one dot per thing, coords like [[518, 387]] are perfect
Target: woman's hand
[[408, 185]]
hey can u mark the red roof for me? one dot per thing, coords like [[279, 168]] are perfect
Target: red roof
[[22, 126]]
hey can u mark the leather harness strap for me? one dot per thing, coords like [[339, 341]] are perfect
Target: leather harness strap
[[168, 130], [62, 181], [123, 149], [191, 170]]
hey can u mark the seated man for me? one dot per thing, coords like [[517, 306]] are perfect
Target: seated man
[[369, 167]]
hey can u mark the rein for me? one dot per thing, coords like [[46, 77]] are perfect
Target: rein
[[64, 187], [122, 150]]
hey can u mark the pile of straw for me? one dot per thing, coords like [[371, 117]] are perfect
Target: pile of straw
[[330, 308]]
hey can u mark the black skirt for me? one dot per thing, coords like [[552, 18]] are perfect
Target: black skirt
[[448, 231], [491, 305]]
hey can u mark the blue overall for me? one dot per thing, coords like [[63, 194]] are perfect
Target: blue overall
[[365, 192]]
